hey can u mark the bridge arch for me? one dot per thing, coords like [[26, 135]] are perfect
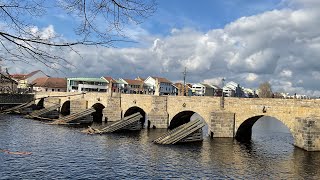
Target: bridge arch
[[40, 104], [98, 115], [136, 109], [181, 118], [65, 108], [244, 131]]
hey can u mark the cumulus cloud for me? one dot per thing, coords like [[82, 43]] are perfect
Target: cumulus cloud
[[44, 33], [280, 46]]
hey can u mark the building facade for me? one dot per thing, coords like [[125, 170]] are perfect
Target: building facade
[[25, 80], [201, 89], [86, 85], [163, 85], [7, 84], [50, 84]]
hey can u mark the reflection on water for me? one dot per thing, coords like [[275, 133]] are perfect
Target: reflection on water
[[64, 152]]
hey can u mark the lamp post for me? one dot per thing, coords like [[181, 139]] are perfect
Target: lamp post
[[222, 95]]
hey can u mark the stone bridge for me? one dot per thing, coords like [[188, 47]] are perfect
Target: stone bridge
[[234, 119]]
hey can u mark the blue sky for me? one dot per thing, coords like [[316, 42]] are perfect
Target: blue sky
[[203, 15], [246, 41], [174, 14]]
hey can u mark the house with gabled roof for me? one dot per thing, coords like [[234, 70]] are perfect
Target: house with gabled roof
[[50, 84], [164, 85], [112, 84], [132, 86], [201, 89], [217, 91], [183, 90], [232, 89], [7, 84], [25, 80]]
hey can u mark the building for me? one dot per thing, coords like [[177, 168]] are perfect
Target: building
[[87, 85], [50, 84], [201, 89], [131, 86], [25, 80], [181, 90], [249, 93], [112, 84], [7, 84], [162, 85], [232, 89], [217, 91]]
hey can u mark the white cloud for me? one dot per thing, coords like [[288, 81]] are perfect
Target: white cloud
[[286, 73], [251, 77], [44, 33]]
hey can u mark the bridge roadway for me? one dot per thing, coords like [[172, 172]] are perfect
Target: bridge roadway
[[235, 119]]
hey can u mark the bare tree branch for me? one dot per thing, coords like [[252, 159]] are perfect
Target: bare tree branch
[[100, 23]]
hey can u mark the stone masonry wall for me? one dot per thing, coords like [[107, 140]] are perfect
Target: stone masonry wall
[[78, 105], [112, 112], [159, 115], [222, 124], [307, 133], [51, 101]]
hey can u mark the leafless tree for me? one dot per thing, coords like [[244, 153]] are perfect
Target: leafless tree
[[265, 90], [99, 22]]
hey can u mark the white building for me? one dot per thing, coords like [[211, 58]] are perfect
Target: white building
[[232, 89], [86, 85], [165, 86], [201, 89], [25, 80], [50, 84]]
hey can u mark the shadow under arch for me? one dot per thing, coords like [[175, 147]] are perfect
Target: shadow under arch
[[65, 108], [244, 132], [181, 118], [136, 109], [40, 104], [98, 115]]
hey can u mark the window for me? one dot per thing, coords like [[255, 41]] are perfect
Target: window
[[46, 89], [52, 90], [58, 90]]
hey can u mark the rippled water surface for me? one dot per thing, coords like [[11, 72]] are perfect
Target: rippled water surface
[[60, 152]]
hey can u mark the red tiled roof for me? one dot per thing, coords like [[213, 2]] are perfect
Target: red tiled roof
[[139, 78], [133, 82], [162, 80], [24, 76], [18, 76], [32, 73], [108, 78], [50, 82]]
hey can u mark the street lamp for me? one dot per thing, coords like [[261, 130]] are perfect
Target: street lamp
[[222, 95]]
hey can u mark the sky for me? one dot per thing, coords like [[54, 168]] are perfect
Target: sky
[[246, 41]]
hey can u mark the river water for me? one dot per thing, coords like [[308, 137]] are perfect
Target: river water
[[60, 152]]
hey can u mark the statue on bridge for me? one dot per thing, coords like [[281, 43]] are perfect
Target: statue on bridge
[[157, 88]]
